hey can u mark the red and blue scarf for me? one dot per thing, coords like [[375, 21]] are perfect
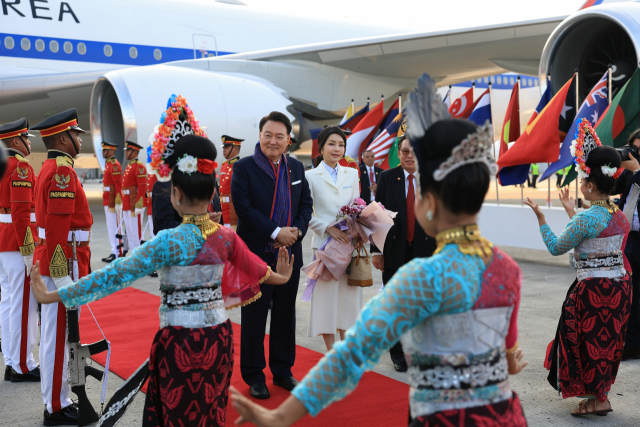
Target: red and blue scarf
[[279, 174]]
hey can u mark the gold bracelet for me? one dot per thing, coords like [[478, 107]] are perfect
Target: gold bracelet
[[513, 349]]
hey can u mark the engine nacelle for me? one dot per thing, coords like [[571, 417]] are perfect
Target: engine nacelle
[[127, 104], [590, 40]]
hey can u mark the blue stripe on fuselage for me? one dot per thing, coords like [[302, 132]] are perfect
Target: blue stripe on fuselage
[[94, 51]]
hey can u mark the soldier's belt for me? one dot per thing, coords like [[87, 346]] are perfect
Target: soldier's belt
[[83, 236], [126, 192], [225, 198], [8, 210], [107, 189], [6, 218]]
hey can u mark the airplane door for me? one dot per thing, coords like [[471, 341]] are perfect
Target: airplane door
[[204, 46]]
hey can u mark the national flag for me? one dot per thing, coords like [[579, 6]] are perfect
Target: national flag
[[510, 131], [590, 3], [364, 131], [314, 142], [541, 137], [347, 114], [482, 110], [623, 115], [463, 106], [353, 121], [591, 109], [513, 175], [381, 145], [447, 98]]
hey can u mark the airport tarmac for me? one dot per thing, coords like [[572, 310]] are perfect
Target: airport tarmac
[[543, 289]]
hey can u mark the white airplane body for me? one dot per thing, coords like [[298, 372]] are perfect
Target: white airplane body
[[118, 62]]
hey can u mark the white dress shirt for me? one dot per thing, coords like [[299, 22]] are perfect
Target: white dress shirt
[[332, 171], [406, 184], [371, 171]]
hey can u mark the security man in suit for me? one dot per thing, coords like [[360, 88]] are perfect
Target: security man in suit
[[111, 195], [231, 152], [369, 173], [18, 308], [134, 188], [62, 212], [406, 240]]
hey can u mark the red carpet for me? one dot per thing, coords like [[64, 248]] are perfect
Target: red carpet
[[129, 320]]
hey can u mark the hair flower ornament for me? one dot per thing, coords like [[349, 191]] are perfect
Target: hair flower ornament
[[608, 170], [177, 121], [189, 164], [586, 140]]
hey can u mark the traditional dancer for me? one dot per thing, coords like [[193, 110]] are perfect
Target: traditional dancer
[[111, 195], [454, 312], [584, 357], [134, 188], [231, 152], [19, 317], [62, 212], [204, 270]]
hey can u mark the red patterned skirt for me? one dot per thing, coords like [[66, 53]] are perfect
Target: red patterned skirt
[[189, 376], [506, 413], [584, 357]]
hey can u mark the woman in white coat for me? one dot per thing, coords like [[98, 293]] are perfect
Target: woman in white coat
[[334, 304]]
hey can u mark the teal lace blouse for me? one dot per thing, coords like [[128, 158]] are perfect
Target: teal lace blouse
[[584, 225]]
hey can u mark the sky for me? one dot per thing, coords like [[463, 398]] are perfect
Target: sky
[[423, 15]]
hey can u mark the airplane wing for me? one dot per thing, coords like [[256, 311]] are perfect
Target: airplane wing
[[449, 56]]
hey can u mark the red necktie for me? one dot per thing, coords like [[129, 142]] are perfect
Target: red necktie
[[371, 178], [411, 215]]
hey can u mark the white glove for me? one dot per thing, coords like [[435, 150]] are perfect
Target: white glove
[[62, 281], [139, 211], [119, 208], [28, 263]]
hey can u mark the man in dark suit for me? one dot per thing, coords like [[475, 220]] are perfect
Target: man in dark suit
[[629, 205], [369, 173], [270, 218], [397, 189]]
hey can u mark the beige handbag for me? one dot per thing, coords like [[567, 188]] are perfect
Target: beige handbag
[[359, 272]]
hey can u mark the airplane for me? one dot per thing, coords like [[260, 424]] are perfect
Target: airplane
[[118, 62]]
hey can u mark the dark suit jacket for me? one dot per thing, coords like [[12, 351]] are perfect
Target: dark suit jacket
[[391, 194], [365, 193], [164, 216], [252, 193]]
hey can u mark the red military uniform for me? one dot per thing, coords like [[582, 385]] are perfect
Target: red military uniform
[[61, 207], [134, 186], [228, 212], [151, 179], [112, 182]]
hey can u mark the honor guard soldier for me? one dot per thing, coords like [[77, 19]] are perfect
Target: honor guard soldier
[[231, 152], [134, 188], [111, 195], [19, 317], [152, 178], [63, 217]]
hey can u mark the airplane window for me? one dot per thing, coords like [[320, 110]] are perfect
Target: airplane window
[[530, 82], [82, 48], [499, 79], [133, 52], [53, 46], [39, 45], [157, 54], [486, 80], [25, 43], [536, 82], [8, 42], [524, 82], [108, 50], [512, 81], [68, 47], [492, 79]]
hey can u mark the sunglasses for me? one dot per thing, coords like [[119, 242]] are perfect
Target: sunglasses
[[405, 151]]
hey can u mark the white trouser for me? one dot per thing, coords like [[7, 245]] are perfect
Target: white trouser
[[134, 229], [5, 316], [150, 219], [23, 316], [112, 227], [54, 354]]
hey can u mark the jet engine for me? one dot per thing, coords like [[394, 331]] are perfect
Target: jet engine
[[590, 41], [127, 104]]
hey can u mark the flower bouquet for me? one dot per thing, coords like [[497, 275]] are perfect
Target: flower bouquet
[[363, 224]]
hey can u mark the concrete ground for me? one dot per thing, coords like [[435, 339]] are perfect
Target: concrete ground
[[543, 289]]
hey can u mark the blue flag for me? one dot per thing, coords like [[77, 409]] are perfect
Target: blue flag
[[591, 109], [513, 175], [482, 112]]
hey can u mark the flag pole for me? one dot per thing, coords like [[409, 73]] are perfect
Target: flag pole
[[353, 108], [521, 185], [609, 82], [577, 106], [492, 135], [399, 103]]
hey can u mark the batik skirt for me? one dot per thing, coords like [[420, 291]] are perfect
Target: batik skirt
[[584, 357], [506, 413], [189, 376]]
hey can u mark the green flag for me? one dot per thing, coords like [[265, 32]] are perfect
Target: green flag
[[623, 115], [570, 176], [393, 155]]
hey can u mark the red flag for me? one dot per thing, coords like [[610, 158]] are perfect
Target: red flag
[[539, 142], [363, 133], [463, 106], [511, 125]]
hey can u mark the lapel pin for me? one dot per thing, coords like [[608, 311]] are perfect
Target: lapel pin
[[398, 178]]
